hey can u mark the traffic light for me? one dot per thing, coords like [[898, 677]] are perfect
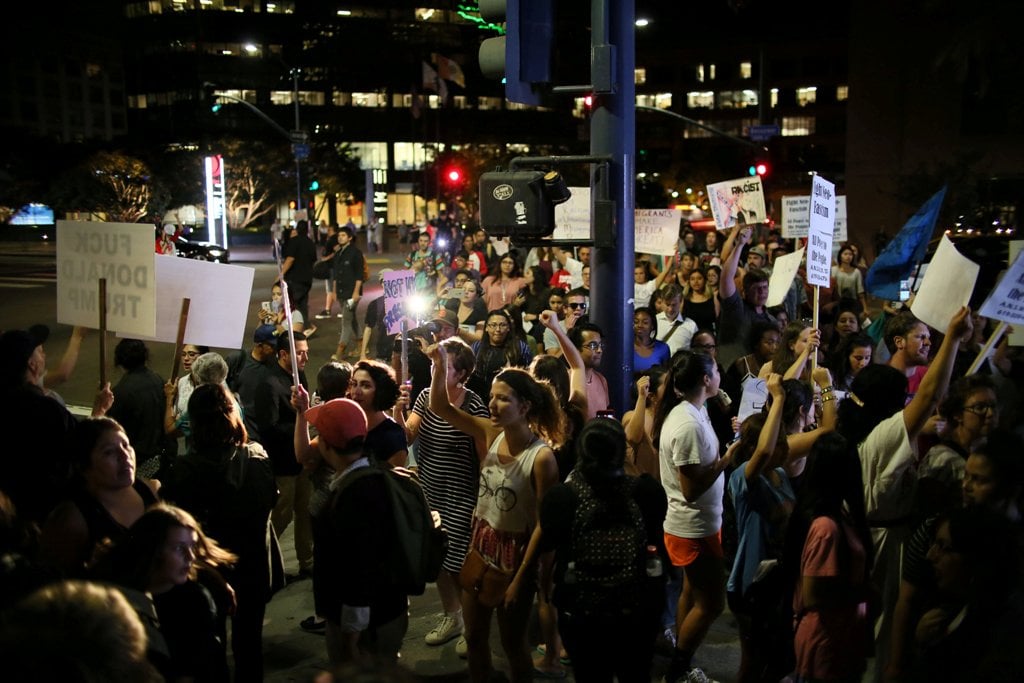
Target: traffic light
[[520, 203], [453, 175], [314, 185], [292, 205], [759, 168], [521, 57]]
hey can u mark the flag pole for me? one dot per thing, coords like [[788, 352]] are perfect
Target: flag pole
[[987, 348], [287, 315]]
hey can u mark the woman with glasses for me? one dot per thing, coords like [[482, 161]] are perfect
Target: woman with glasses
[[648, 350], [469, 309], [501, 289], [970, 410], [500, 347]]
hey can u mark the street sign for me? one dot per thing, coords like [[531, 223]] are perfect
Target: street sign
[[763, 133], [301, 151]]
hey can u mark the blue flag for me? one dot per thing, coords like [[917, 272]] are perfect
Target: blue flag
[[906, 250]]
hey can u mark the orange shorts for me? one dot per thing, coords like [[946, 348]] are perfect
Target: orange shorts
[[685, 551]]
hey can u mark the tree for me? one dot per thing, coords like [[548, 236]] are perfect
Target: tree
[[109, 183], [258, 177]]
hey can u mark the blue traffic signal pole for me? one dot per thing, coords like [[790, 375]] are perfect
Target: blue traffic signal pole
[[613, 133]]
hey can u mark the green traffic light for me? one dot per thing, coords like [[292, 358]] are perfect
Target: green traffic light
[[314, 185], [216, 108]]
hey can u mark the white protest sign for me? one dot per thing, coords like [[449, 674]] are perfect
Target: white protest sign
[[572, 217], [1006, 302], [737, 201], [819, 231], [947, 285], [783, 272], [1017, 335], [795, 218], [657, 230], [123, 254], [218, 302], [398, 285], [755, 395]]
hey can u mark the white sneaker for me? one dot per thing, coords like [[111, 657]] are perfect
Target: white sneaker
[[462, 648], [697, 675], [448, 628]]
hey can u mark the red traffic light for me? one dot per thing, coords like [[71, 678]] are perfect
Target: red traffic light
[[454, 175], [762, 168]]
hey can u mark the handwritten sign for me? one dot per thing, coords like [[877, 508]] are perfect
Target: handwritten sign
[[819, 232], [123, 254], [755, 395], [572, 218], [947, 285], [398, 285], [218, 296], [795, 218], [657, 230], [737, 201], [783, 272], [1006, 302]]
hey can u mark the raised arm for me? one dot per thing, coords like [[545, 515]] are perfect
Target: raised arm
[[577, 371], [637, 422], [478, 428], [936, 380], [795, 370], [731, 259], [801, 442], [62, 373], [769, 436]]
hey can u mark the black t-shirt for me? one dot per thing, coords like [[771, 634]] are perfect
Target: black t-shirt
[[302, 249], [385, 440], [348, 269]]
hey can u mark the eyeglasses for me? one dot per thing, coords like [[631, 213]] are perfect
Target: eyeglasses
[[497, 326], [594, 345], [190, 354], [574, 306], [981, 408]]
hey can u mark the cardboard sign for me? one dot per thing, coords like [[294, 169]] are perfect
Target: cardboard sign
[[796, 212], [218, 296], [737, 201], [947, 285], [123, 254], [656, 231], [819, 232], [398, 285], [783, 272], [572, 218]]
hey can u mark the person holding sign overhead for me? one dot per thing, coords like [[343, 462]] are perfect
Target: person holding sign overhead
[[738, 313]]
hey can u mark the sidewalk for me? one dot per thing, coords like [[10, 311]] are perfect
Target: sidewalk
[[292, 655]]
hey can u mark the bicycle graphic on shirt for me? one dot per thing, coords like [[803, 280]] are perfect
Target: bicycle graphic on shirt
[[505, 497]]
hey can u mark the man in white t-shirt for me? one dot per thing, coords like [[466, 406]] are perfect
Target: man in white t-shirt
[[674, 328], [571, 268]]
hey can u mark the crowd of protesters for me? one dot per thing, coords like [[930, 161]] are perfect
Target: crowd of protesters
[[868, 511]]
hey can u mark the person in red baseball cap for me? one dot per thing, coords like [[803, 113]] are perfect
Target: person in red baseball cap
[[366, 613]]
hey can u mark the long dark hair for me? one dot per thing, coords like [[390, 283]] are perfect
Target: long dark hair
[[831, 483], [881, 392], [214, 419], [511, 348], [600, 462], [839, 363], [687, 372]]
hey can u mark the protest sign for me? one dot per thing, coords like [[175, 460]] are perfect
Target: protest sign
[[947, 285], [796, 213], [219, 297], [783, 272], [755, 395], [1006, 301], [398, 285], [656, 231], [819, 232], [572, 217], [737, 201], [121, 253]]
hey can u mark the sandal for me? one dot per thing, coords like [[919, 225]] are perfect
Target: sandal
[[542, 649]]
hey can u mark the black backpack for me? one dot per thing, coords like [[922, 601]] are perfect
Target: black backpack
[[608, 552], [415, 558]]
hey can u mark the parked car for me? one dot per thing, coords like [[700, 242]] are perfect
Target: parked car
[[202, 251]]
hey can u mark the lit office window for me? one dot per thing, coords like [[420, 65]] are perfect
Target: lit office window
[[661, 100], [401, 100], [700, 99], [411, 156], [746, 70], [737, 99], [639, 76], [797, 125], [700, 73], [488, 103], [842, 93], [369, 99], [371, 154], [711, 72], [805, 96], [775, 97]]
